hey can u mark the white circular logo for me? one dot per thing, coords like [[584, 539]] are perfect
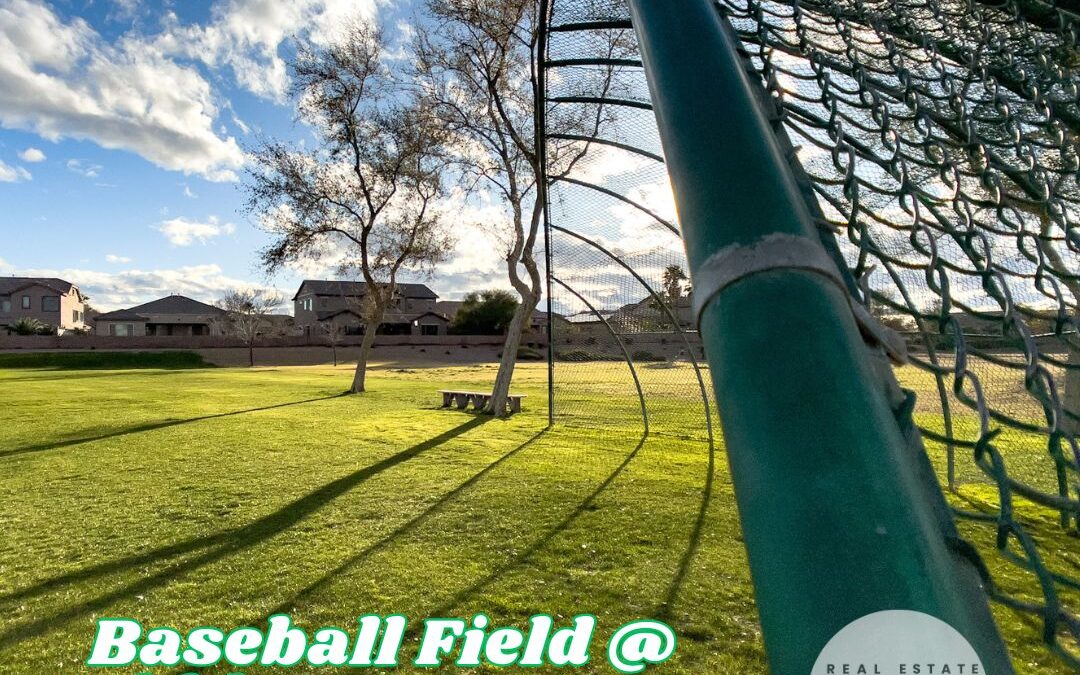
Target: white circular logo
[[898, 642]]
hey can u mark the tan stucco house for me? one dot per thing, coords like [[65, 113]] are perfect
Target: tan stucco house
[[174, 315], [319, 303], [54, 302]]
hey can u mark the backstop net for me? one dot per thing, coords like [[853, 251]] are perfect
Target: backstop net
[[627, 354], [936, 145]]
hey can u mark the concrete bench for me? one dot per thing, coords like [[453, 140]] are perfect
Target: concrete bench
[[479, 399]]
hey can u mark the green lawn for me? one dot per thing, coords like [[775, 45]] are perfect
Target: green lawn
[[221, 496]]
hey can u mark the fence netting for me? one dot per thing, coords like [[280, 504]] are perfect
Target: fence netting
[[627, 355], [936, 142]]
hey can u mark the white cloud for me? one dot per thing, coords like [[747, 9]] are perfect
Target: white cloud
[[32, 155], [13, 174], [244, 128], [481, 229], [123, 10], [109, 291], [184, 232], [113, 258], [63, 80], [604, 162], [188, 193], [84, 169], [246, 36]]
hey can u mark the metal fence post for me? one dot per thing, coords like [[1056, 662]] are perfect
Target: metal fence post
[[832, 516]]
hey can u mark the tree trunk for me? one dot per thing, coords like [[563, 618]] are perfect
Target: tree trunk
[[370, 327], [1072, 392], [334, 347], [251, 355], [497, 405]]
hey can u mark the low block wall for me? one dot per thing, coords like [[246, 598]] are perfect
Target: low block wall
[[149, 343]]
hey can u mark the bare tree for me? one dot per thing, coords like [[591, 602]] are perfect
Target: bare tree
[[369, 192], [246, 315], [335, 333], [478, 65]]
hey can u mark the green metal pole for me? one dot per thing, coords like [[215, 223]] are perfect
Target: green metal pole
[[835, 520]]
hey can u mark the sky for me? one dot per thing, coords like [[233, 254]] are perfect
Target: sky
[[124, 126]]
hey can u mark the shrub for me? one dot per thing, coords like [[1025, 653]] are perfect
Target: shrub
[[642, 355], [485, 313], [27, 326]]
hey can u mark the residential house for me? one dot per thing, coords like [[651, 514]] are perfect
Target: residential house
[[280, 325], [648, 314], [539, 322], [643, 316], [322, 303], [175, 315], [448, 308], [54, 302]]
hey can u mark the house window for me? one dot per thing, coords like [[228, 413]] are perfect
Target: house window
[[5, 306], [50, 303], [306, 304], [429, 329], [26, 302], [75, 316]]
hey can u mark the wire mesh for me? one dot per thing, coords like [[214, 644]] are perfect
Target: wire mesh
[[627, 354], [936, 143]]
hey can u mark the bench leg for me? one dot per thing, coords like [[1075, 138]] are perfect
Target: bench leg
[[515, 404], [462, 401], [446, 400], [479, 402]]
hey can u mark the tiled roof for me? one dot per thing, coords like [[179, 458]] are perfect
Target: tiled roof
[[120, 315], [176, 304], [9, 285], [359, 288], [448, 307], [389, 317]]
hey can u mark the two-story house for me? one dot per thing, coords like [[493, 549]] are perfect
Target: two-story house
[[56, 303], [321, 303]]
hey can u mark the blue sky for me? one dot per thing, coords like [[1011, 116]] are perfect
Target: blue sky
[[123, 125]]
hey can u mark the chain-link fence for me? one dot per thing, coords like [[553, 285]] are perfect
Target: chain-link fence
[[936, 143]]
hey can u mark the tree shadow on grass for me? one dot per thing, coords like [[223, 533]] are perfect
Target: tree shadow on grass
[[152, 426], [538, 545], [664, 611], [309, 590], [222, 545]]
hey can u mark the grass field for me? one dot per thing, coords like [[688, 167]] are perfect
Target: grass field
[[222, 496]]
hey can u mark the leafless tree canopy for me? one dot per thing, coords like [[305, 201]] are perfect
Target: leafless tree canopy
[[246, 315]]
